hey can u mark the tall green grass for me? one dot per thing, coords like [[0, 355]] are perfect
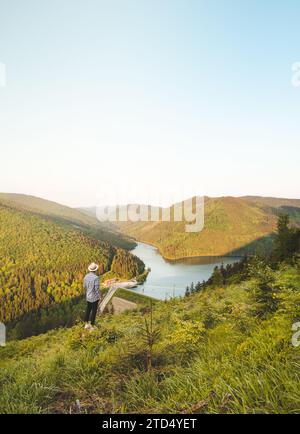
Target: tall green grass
[[213, 355]]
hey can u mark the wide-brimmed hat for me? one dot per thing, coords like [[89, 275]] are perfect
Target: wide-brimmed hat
[[93, 267]]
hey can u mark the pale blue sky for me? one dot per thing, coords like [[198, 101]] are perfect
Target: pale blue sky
[[149, 99]]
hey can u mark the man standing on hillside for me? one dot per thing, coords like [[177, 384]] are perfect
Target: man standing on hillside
[[91, 284]]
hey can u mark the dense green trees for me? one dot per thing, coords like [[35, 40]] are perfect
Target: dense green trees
[[86, 223], [126, 265], [55, 315], [42, 262], [287, 241], [264, 293], [232, 273], [217, 276]]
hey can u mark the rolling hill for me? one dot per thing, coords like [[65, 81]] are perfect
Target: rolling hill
[[273, 202], [66, 215], [210, 354], [43, 262], [233, 226]]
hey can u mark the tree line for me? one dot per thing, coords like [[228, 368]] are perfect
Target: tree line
[[285, 249], [43, 263]]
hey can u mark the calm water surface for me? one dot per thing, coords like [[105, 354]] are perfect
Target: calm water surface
[[169, 279]]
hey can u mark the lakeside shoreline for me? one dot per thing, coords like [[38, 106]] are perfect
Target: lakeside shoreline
[[182, 258]]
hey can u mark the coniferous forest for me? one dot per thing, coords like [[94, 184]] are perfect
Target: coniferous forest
[[42, 264]]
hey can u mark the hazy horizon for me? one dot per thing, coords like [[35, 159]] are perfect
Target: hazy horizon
[[165, 204], [149, 101]]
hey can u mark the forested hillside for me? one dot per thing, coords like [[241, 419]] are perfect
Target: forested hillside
[[62, 214], [42, 262], [233, 226]]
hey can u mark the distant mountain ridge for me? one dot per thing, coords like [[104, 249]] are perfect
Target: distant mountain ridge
[[273, 202], [233, 226], [86, 223], [46, 207]]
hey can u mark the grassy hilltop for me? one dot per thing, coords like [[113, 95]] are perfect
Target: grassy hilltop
[[233, 226], [213, 352]]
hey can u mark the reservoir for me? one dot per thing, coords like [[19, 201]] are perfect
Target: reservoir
[[169, 279]]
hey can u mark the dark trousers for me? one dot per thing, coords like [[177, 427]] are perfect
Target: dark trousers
[[91, 311]]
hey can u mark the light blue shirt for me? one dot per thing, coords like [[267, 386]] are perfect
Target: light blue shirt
[[91, 283]]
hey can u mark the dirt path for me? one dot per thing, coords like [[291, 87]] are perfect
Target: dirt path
[[120, 305]]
